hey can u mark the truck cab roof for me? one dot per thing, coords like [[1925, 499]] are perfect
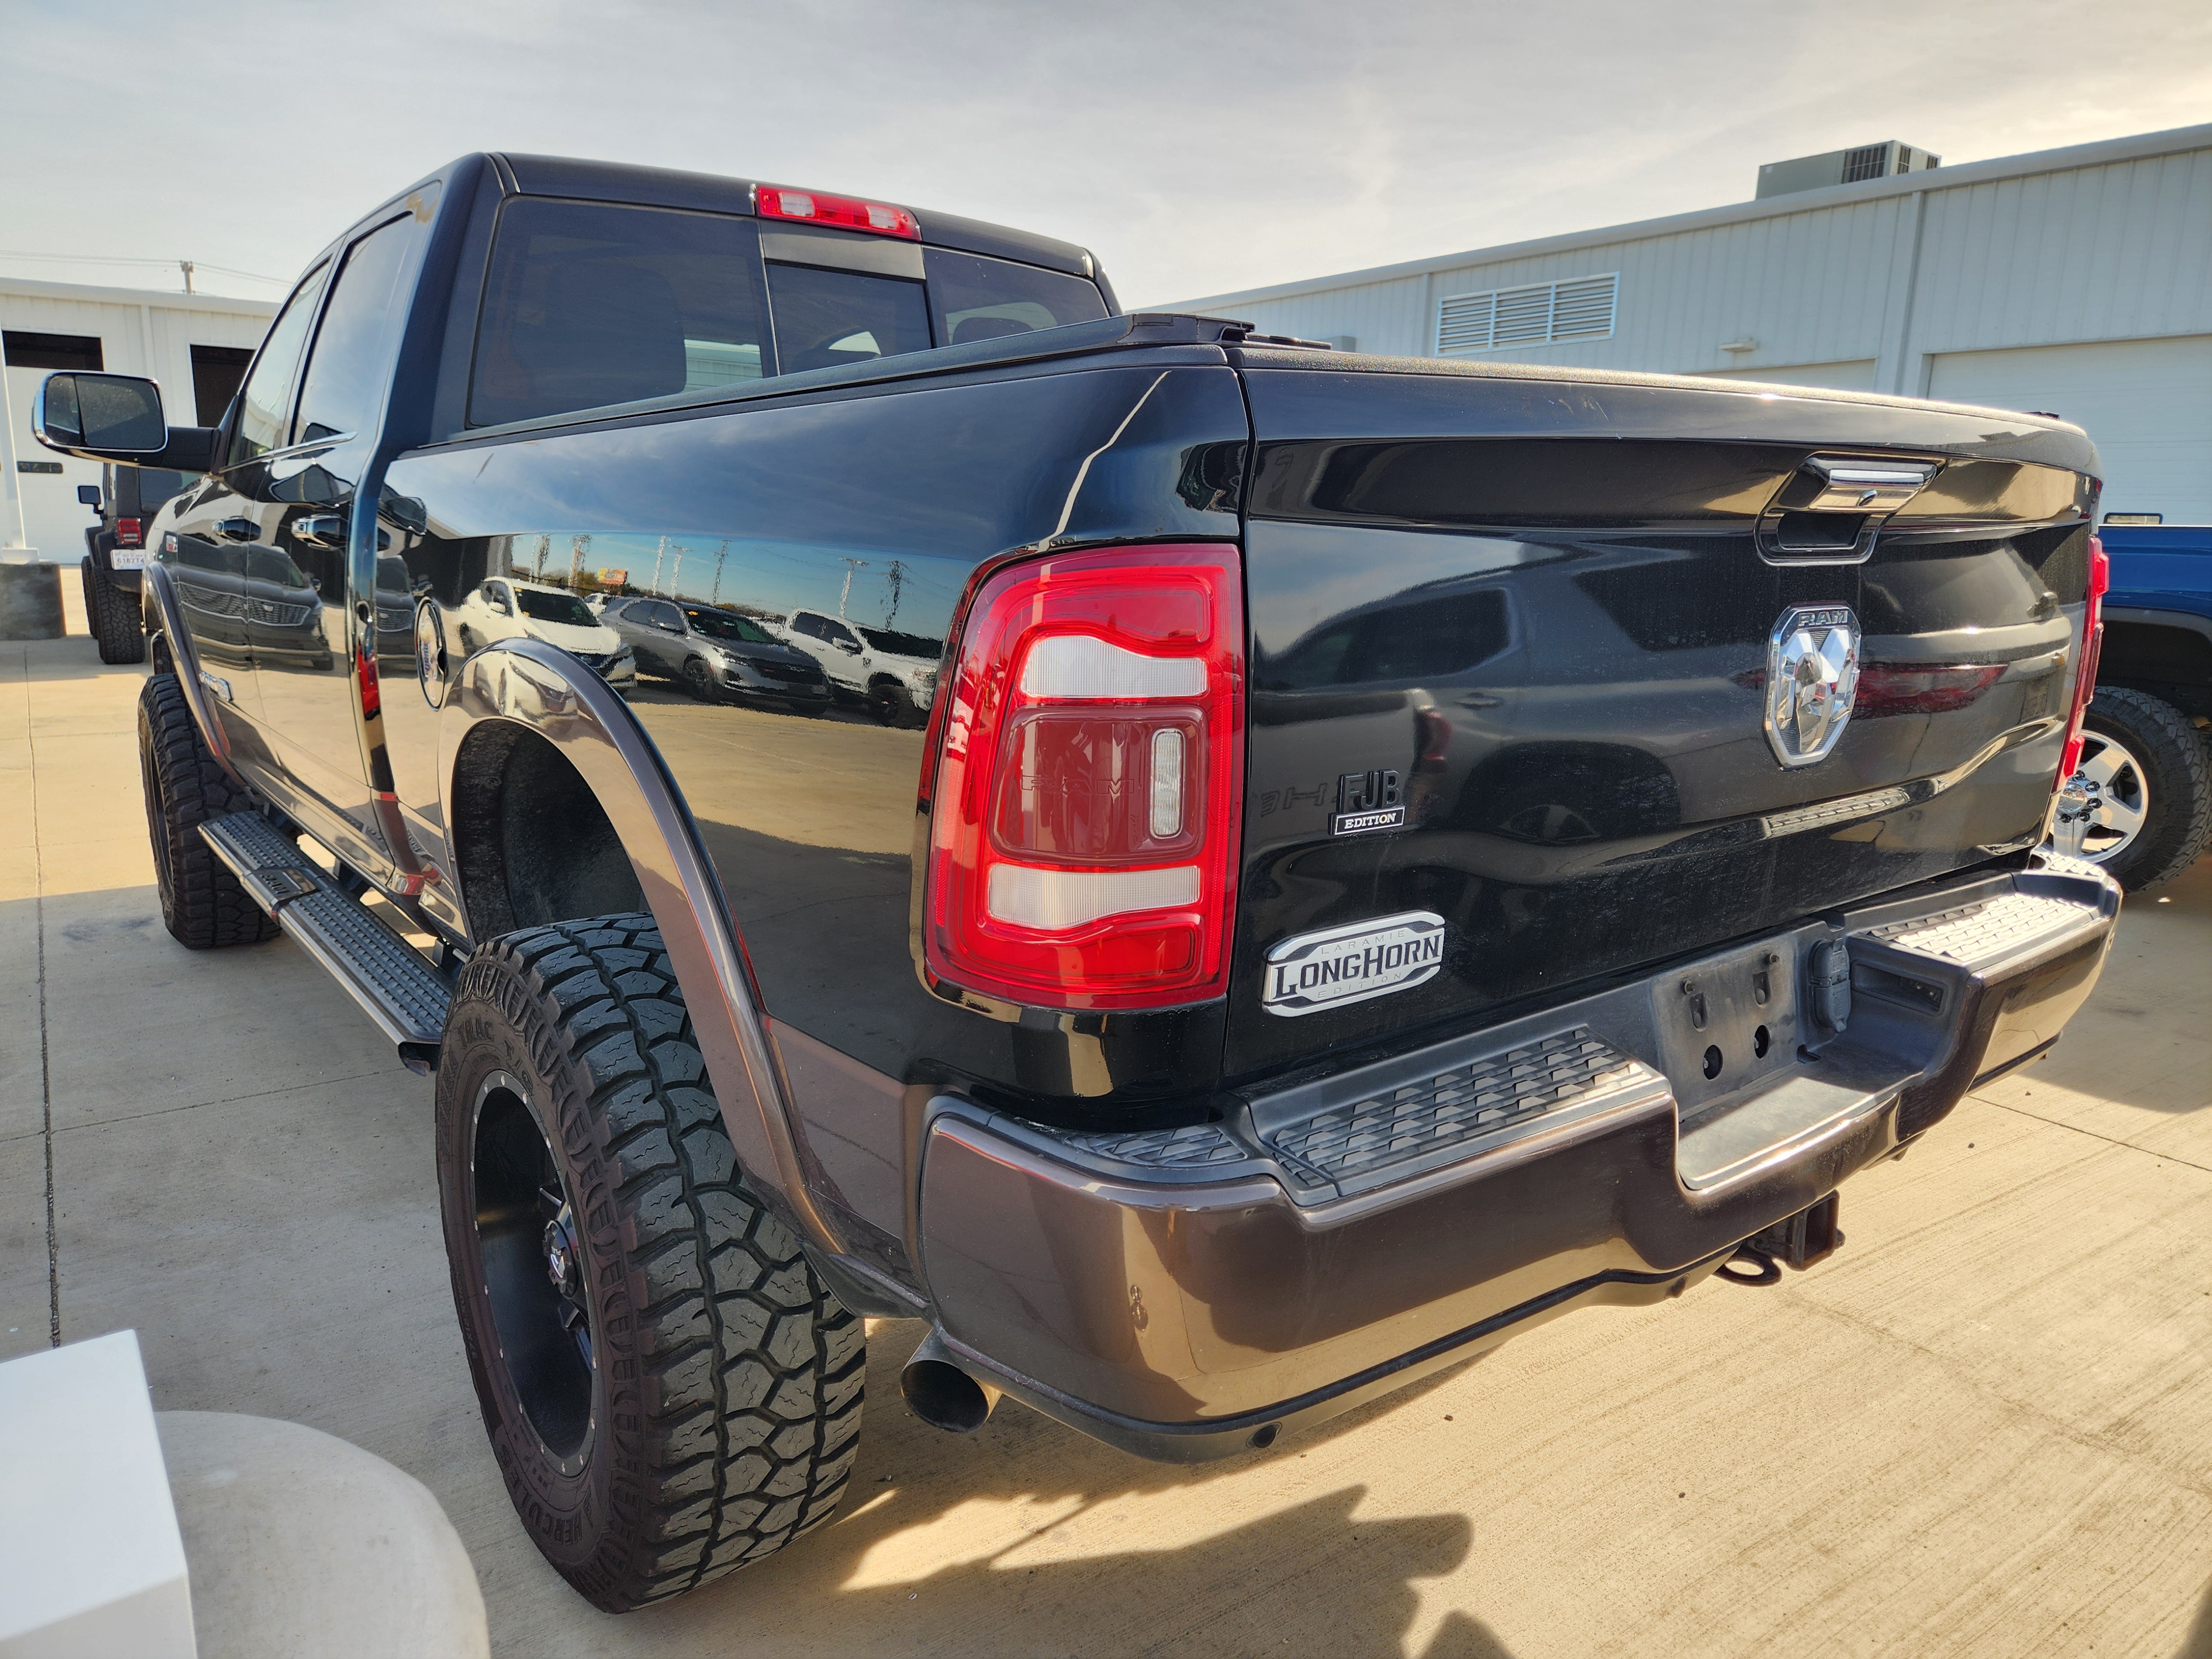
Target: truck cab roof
[[612, 181]]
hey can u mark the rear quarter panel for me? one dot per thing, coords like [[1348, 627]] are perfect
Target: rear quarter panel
[[811, 823]]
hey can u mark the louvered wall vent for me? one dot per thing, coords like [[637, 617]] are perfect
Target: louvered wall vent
[[1538, 314]]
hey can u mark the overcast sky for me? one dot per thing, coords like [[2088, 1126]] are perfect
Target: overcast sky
[[1197, 149]]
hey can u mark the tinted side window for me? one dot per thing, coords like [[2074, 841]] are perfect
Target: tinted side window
[[156, 485], [838, 634], [588, 304], [826, 318], [808, 623], [346, 372], [980, 299], [264, 420]]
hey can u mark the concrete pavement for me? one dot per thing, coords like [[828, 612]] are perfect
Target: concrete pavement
[[1984, 1427]]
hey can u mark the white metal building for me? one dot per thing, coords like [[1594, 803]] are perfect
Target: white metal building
[[196, 345], [2076, 280]]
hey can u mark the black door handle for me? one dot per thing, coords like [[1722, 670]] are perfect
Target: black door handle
[[238, 530]]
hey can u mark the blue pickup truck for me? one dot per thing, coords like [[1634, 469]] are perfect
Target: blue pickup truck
[[2143, 796]]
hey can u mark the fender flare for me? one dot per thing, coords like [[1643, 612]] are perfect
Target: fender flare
[[525, 683], [163, 598]]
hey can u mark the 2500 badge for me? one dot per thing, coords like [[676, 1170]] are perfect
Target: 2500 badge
[[1337, 966]]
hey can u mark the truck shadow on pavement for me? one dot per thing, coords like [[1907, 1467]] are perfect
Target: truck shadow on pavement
[[877, 1578]]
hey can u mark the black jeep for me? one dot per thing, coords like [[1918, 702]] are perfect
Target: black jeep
[[126, 498]]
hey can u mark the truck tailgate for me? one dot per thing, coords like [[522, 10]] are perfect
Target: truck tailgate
[[1513, 635]]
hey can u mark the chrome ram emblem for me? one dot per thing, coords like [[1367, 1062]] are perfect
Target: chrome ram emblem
[[1812, 674]]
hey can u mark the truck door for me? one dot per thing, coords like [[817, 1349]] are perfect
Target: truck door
[[205, 553], [299, 578]]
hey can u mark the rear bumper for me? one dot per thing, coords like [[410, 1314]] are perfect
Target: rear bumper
[[1177, 1293]]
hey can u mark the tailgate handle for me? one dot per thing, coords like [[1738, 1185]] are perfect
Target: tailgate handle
[[1830, 510]]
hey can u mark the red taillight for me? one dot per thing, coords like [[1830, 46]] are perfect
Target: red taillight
[[1083, 837], [371, 688], [2093, 643], [813, 206], [129, 532]]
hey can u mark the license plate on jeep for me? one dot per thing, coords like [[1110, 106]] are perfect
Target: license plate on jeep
[[126, 558]]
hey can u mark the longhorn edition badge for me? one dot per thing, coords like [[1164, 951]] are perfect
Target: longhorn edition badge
[[1308, 972]]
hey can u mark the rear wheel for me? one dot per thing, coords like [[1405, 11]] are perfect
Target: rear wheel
[[669, 1389], [891, 703], [203, 906], [114, 616], [2144, 766]]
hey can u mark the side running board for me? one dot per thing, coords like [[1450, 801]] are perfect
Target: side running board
[[387, 976]]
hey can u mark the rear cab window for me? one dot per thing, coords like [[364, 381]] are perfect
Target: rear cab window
[[588, 304], [975, 298]]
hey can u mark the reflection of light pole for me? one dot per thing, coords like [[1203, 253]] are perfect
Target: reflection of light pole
[[721, 553], [851, 565], [545, 546], [659, 553], [897, 576], [576, 550], [675, 576]]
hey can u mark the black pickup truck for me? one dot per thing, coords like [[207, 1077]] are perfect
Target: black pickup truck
[[1399, 849]]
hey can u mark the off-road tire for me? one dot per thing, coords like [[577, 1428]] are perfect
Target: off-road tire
[[114, 618], [725, 1387], [892, 704], [2178, 774], [203, 906]]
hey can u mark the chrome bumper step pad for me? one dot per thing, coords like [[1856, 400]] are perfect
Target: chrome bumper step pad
[[388, 977]]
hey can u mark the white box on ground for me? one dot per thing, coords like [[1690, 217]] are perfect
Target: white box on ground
[[91, 1561]]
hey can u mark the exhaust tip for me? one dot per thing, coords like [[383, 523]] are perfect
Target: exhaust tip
[[941, 1394]]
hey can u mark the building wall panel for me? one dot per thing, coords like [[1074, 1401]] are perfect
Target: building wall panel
[[2118, 250], [153, 337], [2122, 251]]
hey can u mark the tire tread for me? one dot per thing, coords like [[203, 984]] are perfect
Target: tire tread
[[113, 618], [203, 905], [752, 1399], [2171, 744]]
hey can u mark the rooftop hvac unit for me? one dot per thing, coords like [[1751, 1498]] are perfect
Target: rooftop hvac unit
[[1842, 167]]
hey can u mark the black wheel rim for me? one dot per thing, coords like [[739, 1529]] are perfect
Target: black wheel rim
[[534, 1271]]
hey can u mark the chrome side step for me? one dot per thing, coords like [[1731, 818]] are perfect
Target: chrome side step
[[395, 986]]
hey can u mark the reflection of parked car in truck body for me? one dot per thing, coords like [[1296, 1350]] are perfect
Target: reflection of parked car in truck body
[[1129, 1025], [894, 673], [2140, 803], [712, 653], [508, 608]]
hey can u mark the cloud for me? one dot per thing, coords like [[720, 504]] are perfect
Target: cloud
[[1198, 148]]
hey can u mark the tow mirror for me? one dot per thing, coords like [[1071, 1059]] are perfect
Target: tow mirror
[[101, 416], [88, 495]]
